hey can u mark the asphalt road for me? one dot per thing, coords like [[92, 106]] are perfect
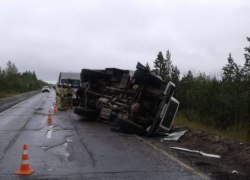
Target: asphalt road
[[74, 148]]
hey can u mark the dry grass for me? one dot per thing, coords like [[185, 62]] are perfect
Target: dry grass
[[4, 94], [231, 132]]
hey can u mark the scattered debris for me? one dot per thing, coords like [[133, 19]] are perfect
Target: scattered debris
[[43, 147], [50, 169], [50, 129], [175, 136], [199, 163], [235, 172], [197, 152], [69, 140], [56, 125]]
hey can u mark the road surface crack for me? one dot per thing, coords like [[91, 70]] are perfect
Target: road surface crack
[[60, 144], [90, 153], [12, 141], [55, 146]]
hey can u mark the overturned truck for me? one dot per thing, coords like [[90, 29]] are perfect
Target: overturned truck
[[136, 102]]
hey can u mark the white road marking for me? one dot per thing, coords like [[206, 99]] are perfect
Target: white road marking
[[173, 158], [49, 134]]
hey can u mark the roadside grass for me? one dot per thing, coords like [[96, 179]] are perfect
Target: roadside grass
[[231, 132], [5, 94], [10, 94]]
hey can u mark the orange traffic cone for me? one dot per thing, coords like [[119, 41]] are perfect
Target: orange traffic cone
[[55, 109], [49, 119], [24, 168]]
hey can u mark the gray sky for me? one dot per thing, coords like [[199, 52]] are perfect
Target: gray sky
[[49, 36]]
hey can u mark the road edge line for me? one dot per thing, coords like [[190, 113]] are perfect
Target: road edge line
[[172, 158], [15, 105]]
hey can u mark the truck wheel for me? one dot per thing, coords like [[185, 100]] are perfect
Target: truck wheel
[[152, 130], [128, 126], [90, 113]]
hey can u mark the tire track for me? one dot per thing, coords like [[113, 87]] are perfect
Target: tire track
[[85, 145]]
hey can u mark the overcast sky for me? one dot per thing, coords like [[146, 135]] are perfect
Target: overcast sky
[[49, 36]]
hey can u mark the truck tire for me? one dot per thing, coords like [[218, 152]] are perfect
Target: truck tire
[[128, 126], [90, 113], [153, 129]]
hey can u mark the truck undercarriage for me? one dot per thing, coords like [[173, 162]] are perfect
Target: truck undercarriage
[[140, 103]]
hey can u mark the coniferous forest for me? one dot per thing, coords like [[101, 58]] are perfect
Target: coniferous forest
[[217, 102], [12, 81]]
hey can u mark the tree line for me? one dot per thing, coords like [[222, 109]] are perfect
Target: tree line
[[12, 81], [218, 102]]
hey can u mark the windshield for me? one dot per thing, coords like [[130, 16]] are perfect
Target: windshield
[[74, 82]]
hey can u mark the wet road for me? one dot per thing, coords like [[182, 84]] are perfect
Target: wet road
[[73, 148]]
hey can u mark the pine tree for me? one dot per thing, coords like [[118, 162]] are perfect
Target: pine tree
[[163, 67], [2, 79], [159, 65], [231, 71], [175, 74], [246, 75], [232, 90], [168, 68], [11, 69], [13, 81], [2, 73], [147, 66], [186, 90], [246, 67]]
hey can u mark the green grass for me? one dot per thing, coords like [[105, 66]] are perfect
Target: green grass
[[230, 132]]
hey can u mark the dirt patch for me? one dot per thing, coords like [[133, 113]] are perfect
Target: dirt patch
[[235, 155]]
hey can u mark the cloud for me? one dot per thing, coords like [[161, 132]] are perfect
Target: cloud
[[63, 35]]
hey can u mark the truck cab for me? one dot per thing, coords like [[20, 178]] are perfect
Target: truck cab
[[73, 79]]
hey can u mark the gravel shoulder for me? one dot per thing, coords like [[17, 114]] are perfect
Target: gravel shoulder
[[235, 155], [6, 103]]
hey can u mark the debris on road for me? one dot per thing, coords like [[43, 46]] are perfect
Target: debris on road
[[200, 163], [175, 136], [50, 169], [56, 125], [235, 172], [50, 128], [197, 152]]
